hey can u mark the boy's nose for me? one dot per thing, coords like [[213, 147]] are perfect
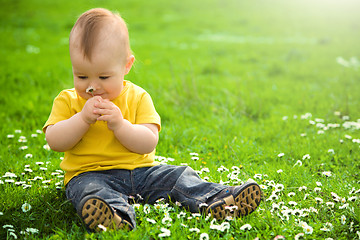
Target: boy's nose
[[95, 84]]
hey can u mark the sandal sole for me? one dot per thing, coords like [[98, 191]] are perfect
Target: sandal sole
[[95, 211], [246, 200]]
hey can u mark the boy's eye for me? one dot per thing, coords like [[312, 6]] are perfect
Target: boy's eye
[[104, 77], [82, 77]]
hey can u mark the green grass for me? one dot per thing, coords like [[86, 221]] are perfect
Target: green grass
[[222, 74]]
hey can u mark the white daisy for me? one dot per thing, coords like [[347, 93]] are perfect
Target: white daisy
[[204, 236], [308, 229], [246, 227], [26, 207], [90, 89], [32, 230], [343, 219], [164, 233], [152, 221]]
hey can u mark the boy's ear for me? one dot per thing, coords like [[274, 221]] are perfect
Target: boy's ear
[[129, 64]]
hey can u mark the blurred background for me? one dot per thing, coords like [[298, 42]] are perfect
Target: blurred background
[[207, 64]]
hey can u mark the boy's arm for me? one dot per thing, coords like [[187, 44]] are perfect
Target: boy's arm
[[64, 135], [139, 138]]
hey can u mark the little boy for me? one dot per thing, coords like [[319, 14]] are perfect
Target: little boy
[[108, 128]]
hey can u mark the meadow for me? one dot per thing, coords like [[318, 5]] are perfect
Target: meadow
[[246, 90]]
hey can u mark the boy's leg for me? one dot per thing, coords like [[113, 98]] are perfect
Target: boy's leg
[[177, 183], [182, 184], [90, 191]]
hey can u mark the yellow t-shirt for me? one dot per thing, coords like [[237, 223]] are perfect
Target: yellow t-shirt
[[99, 149]]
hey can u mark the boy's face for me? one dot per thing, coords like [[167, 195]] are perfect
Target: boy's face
[[104, 72]]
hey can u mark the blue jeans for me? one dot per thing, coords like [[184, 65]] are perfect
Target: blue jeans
[[148, 184]]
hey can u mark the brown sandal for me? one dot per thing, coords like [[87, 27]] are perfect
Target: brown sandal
[[235, 201], [95, 211]]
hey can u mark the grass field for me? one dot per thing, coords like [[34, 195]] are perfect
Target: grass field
[[267, 90]]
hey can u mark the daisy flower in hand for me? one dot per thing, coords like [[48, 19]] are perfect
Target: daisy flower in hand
[[90, 89]]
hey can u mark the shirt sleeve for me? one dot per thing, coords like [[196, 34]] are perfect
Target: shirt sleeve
[[60, 110], [146, 112]]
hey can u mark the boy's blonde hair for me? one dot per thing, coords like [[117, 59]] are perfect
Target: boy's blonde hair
[[89, 25]]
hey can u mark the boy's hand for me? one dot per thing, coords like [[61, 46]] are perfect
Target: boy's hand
[[88, 112], [110, 113]]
